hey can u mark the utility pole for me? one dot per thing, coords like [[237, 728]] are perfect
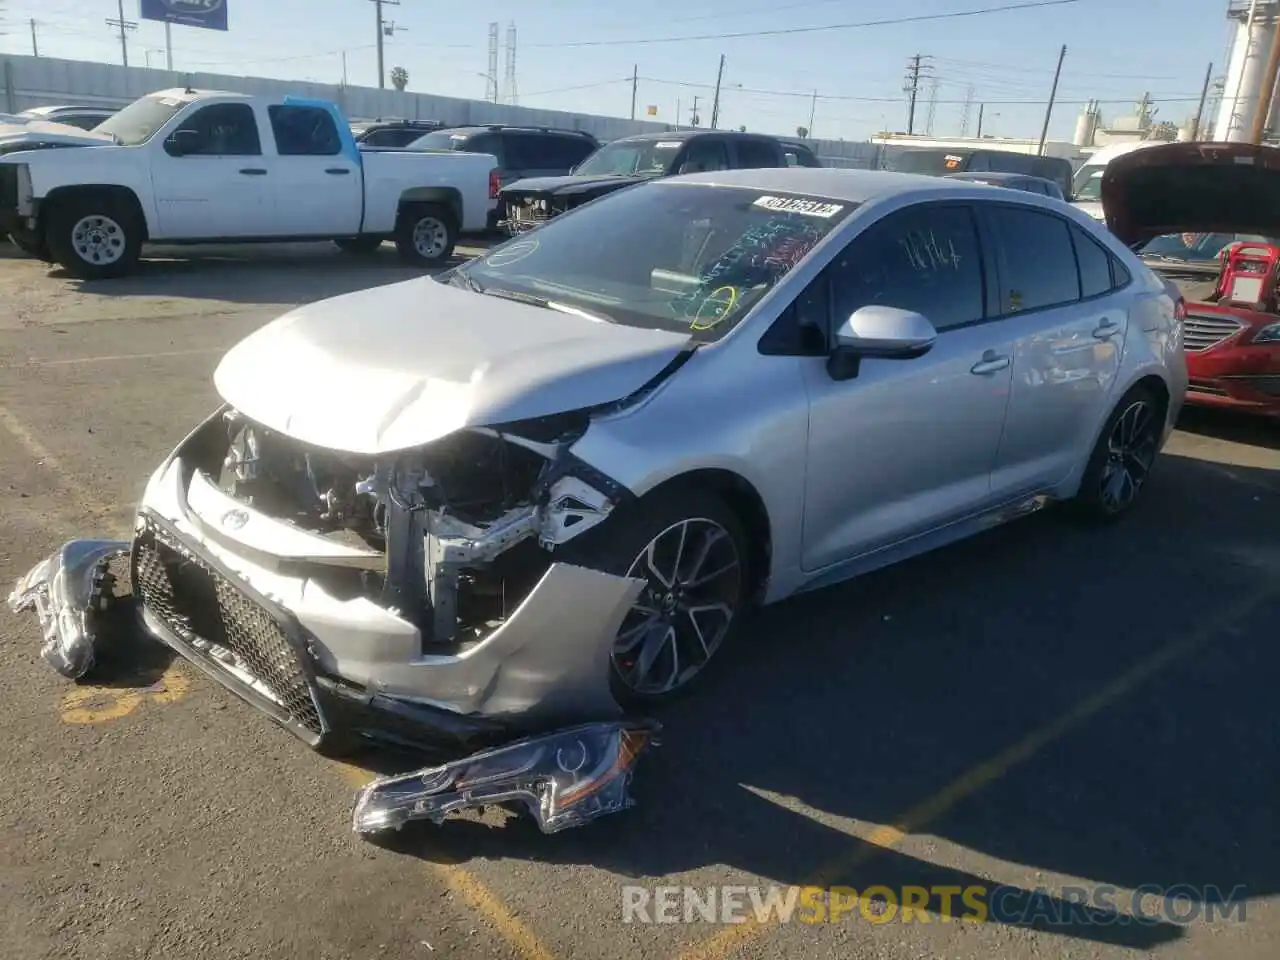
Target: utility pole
[[1053, 95], [635, 82], [124, 26], [916, 68], [981, 107], [968, 107], [377, 6], [1263, 111], [35, 44], [1204, 94], [168, 46], [715, 104], [813, 109], [694, 119]]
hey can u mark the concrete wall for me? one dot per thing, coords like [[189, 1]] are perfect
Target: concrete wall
[[44, 81]]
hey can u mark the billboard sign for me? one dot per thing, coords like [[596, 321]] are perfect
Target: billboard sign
[[206, 14]]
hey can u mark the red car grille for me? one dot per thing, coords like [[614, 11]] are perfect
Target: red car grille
[[1202, 331]]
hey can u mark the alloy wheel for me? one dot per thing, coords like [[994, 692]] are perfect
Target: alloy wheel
[[693, 575], [1131, 450]]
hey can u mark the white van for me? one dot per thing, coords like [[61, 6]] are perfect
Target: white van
[[1086, 186]]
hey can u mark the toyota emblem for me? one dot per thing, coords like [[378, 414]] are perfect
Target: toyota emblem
[[234, 519]]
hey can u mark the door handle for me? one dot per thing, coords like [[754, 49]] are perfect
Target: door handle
[[254, 172], [991, 362], [338, 171], [1106, 330]]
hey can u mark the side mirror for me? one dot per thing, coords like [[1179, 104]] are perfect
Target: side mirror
[[181, 142], [884, 333]]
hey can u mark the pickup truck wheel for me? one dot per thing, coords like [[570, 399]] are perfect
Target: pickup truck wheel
[[358, 244], [94, 238], [426, 235]]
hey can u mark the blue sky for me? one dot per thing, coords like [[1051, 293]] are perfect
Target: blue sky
[[1116, 50]]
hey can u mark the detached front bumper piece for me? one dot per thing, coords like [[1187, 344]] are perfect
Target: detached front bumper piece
[[562, 779], [69, 591]]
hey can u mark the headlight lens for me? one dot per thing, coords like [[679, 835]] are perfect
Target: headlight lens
[[1268, 334]]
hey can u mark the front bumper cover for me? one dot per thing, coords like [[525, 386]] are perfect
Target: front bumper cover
[[562, 776]]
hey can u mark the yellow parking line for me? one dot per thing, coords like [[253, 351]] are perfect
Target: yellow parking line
[[482, 900], [724, 943]]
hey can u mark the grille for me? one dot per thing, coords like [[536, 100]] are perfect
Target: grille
[[1200, 332], [221, 622]]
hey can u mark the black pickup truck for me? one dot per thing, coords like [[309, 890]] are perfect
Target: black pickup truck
[[621, 163]]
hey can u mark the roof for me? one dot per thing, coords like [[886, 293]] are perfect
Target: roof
[[992, 176], [853, 186], [672, 135]]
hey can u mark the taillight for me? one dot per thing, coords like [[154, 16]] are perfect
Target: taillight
[[495, 184]]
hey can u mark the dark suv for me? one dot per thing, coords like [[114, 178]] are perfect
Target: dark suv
[[392, 133], [621, 163], [521, 152]]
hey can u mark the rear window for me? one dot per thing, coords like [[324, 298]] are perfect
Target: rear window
[[693, 258], [932, 162], [441, 140], [1198, 247]]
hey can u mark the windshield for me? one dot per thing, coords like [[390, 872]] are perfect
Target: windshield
[[440, 140], [930, 162], [1198, 247], [693, 258], [1087, 183], [631, 158], [138, 122]]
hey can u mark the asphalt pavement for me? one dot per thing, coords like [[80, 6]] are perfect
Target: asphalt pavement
[[1040, 709]]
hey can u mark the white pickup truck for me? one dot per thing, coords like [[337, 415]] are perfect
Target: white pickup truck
[[213, 167]]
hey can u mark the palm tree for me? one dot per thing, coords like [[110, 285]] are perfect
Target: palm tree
[[399, 78]]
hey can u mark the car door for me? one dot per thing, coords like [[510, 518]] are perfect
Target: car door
[[906, 446], [319, 187], [1054, 290], [751, 153], [210, 178]]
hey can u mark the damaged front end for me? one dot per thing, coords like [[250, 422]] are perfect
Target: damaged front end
[[414, 600]]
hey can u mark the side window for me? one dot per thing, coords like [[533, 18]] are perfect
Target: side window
[[1039, 262], [485, 143], [523, 152], [1094, 263], [304, 131], [703, 154], [562, 153], [756, 153], [1120, 276], [1002, 162], [222, 130], [392, 137], [924, 258], [80, 120]]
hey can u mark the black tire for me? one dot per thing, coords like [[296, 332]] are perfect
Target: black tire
[[361, 245], [411, 228], [619, 543], [102, 226], [1127, 448]]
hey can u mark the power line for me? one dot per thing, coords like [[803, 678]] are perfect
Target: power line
[[792, 31]]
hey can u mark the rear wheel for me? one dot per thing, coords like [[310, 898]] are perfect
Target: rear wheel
[[691, 550], [94, 237], [358, 244], [1122, 460], [426, 234]]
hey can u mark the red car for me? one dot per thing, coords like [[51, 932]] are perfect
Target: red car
[[1206, 216]]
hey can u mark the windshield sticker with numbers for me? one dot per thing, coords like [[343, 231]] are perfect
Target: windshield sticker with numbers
[[811, 208]]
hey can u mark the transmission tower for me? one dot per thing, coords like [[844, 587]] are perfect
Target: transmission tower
[[933, 106], [966, 110], [492, 93], [512, 95], [918, 67]]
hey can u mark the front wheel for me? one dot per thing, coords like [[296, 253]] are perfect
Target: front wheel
[[1122, 459], [426, 235], [691, 550], [94, 238]]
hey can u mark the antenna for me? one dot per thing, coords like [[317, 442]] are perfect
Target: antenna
[[512, 95]]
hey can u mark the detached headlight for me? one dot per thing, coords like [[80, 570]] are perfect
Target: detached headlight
[[563, 779], [1268, 334]]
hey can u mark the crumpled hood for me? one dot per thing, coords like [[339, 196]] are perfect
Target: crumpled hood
[[402, 365], [1199, 187], [39, 132], [570, 185]]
